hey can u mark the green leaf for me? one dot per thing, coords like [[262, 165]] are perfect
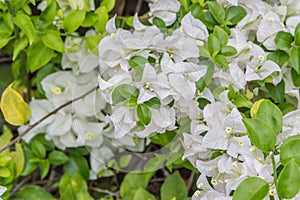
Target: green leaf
[[125, 160], [49, 13], [137, 63], [77, 164], [4, 172], [241, 101], [221, 60], [260, 134], [204, 51], [295, 58], [44, 166], [25, 24], [5, 138], [138, 194], [15, 110], [295, 77], [58, 158], [297, 35], [39, 149], [228, 51], [270, 114], [134, 180], [90, 19], [29, 166], [217, 11], [38, 55], [252, 188], [108, 4], [163, 139], [221, 35], [53, 40], [213, 45], [207, 78], [123, 92], [4, 39], [73, 20], [92, 43], [277, 92], [279, 57], [102, 19], [32, 192], [206, 17], [144, 114], [173, 186], [18, 159], [289, 180], [155, 163], [19, 45], [283, 40], [290, 149], [4, 160], [159, 23], [153, 103], [234, 14]]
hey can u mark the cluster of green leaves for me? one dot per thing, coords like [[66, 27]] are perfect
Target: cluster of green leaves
[[11, 162], [262, 128]]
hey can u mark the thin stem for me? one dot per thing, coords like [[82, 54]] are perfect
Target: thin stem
[[13, 13], [5, 59], [116, 194], [30, 127], [274, 170]]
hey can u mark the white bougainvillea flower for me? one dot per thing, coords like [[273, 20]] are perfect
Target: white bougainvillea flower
[[269, 26], [2, 190], [153, 85], [88, 133], [124, 119], [258, 67], [178, 46], [255, 10], [291, 23], [293, 6], [162, 120], [194, 28], [58, 87], [165, 9], [223, 123], [61, 124]]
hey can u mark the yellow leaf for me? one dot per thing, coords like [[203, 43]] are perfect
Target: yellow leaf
[[15, 110], [255, 107]]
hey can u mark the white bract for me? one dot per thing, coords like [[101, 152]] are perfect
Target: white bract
[[152, 79]]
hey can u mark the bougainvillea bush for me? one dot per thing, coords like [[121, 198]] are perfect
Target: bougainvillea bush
[[193, 99]]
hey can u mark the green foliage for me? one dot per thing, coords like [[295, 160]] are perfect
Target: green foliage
[[173, 188], [73, 187], [288, 181], [261, 134], [252, 188], [32, 192]]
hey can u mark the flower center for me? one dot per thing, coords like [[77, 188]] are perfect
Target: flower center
[[90, 136], [56, 90]]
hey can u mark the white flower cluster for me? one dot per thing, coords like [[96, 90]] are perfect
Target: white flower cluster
[[83, 123], [217, 144], [148, 79]]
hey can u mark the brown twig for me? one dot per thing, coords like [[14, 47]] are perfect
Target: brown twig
[[5, 59], [116, 194], [190, 181], [30, 127]]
